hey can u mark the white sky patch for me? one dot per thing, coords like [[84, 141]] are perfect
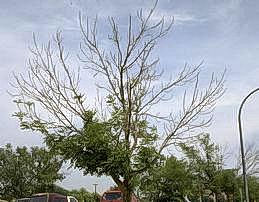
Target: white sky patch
[[181, 19], [177, 17], [68, 24]]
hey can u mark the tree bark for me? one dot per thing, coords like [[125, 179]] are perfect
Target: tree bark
[[127, 191], [127, 195], [124, 187]]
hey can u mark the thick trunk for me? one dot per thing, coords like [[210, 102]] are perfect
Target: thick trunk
[[127, 196], [125, 188], [127, 191]]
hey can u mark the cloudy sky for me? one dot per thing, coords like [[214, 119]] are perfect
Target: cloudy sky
[[223, 34]]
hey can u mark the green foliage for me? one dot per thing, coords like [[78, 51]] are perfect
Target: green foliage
[[24, 172], [198, 175], [171, 182], [82, 195], [253, 184], [205, 162], [58, 189], [227, 181], [98, 150]]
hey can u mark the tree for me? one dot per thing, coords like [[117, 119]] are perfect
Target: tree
[[122, 137], [252, 169], [24, 172], [170, 182], [58, 189], [205, 162], [83, 195], [228, 182], [253, 184], [252, 160], [199, 174]]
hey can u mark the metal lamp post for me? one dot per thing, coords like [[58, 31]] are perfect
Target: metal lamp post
[[242, 144], [95, 196]]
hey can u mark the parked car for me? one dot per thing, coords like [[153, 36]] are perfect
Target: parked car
[[48, 197], [115, 196]]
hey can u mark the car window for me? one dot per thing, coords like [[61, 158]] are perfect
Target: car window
[[112, 196], [39, 199]]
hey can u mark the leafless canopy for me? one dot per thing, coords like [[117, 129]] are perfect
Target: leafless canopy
[[252, 160], [50, 93]]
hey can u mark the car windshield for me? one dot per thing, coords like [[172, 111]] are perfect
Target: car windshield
[[112, 196], [23, 200], [39, 198]]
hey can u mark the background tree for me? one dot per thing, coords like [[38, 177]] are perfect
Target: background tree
[[252, 161], [82, 195], [228, 182], [123, 137], [24, 172], [252, 166], [170, 182], [58, 189], [205, 162], [199, 174], [253, 183]]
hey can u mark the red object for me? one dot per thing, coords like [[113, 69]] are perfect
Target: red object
[[45, 197]]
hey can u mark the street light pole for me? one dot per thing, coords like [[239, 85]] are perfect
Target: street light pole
[[242, 144], [95, 196]]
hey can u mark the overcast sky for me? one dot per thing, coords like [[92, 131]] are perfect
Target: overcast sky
[[223, 34]]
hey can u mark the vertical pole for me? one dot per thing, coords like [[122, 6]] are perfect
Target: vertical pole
[[95, 196], [246, 196], [242, 154]]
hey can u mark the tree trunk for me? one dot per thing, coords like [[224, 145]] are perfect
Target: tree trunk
[[127, 195], [124, 187], [127, 191]]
